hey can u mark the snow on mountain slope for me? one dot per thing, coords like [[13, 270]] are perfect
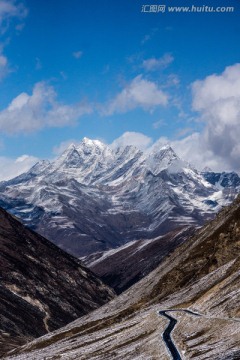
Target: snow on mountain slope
[[95, 198]]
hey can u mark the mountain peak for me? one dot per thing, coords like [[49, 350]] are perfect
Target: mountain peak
[[167, 149], [89, 142], [71, 147]]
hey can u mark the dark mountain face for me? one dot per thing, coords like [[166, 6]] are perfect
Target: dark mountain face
[[224, 179], [94, 198], [41, 287], [198, 285]]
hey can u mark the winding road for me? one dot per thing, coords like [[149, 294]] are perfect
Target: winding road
[[167, 332]]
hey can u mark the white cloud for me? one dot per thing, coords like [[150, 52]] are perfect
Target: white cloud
[[153, 63], [217, 99], [158, 124], [139, 93], [10, 9], [14, 167], [28, 113], [137, 139], [77, 54]]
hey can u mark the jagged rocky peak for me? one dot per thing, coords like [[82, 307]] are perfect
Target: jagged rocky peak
[[85, 149], [164, 158], [39, 167], [128, 152], [163, 151], [88, 146], [69, 158]]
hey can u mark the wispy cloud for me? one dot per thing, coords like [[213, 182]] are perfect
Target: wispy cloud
[[158, 124], [183, 132], [153, 64], [77, 54], [4, 68], [140, 93], [149, 36], [10, 9], [27, 113]]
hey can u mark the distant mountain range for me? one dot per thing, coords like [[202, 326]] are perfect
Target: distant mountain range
[[95, 198]]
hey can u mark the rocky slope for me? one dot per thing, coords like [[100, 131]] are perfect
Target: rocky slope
[[96, 198], [41, 287], [202, 275], [122, 267]]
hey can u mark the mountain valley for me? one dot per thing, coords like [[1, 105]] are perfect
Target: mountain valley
[[198, 285]]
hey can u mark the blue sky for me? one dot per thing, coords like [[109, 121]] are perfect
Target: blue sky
[[104, 69]]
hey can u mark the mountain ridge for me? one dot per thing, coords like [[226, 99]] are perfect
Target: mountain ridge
[[96, 198]]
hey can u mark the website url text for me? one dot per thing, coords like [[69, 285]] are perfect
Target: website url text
[[186, 9]]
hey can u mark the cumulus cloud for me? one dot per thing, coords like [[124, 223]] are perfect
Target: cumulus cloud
[[217, 99], [153, 63], [139, 93], [28, 113], [14, 167], [137, 139]]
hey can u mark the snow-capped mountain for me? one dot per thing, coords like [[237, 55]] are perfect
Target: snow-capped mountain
[[94, 198]]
